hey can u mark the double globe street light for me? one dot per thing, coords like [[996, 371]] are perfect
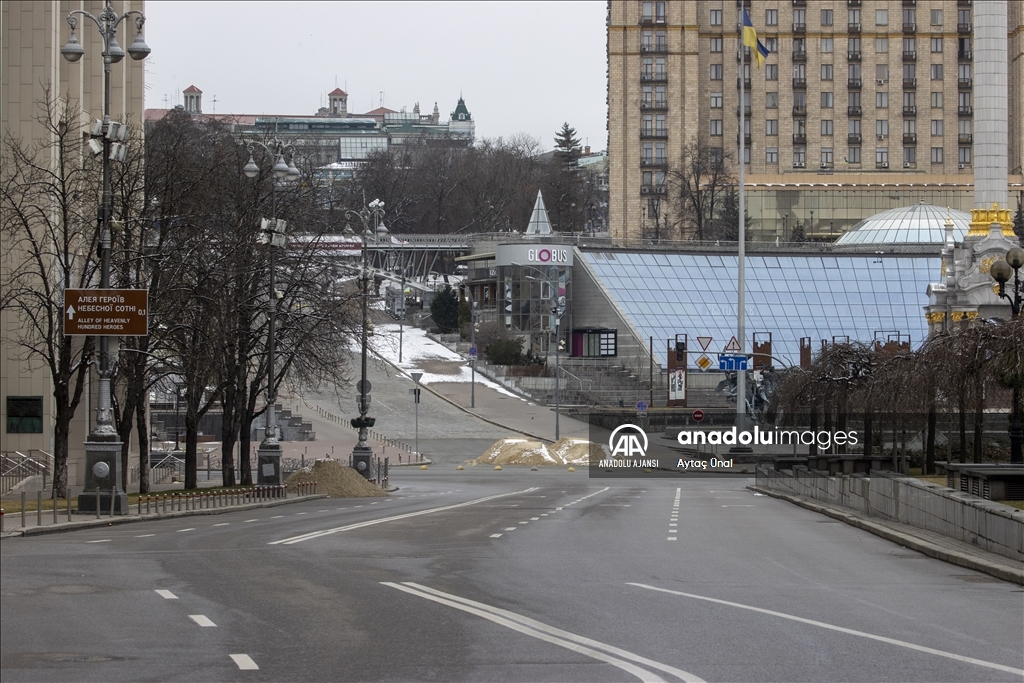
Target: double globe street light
[[103, 449], [1001, 272], [362, 453], [268, 455]]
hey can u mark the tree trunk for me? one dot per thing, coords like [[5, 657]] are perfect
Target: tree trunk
[[929, 457], [979, 427], [191, 447], [963, 428], [61, 429], [142, 429], [244, 445]]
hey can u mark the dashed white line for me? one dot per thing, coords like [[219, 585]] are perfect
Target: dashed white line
[[495, 535], [250, 520], [166, 595], [323, 510], [191, 528], [145, 535], [222, 524], [671, 538], [202, 620], [302, 513], [277, 516], [524, 522], [105, 540], [534, 519], [244, 662], [511, 528]]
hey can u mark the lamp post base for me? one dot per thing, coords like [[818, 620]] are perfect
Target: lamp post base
[[103, 474], [268, 465], [361, 460]]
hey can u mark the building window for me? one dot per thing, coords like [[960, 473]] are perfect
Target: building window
[[909, 16], [771, 127], [936, 100], [716, 100], [800, 45], [853, 155], [937, 44], [826, 156], [772, 43], [882, 72], [965, 155], [771, 155], [910, 155], [716, 126], [826, 126], [799, 156], [717, 155], [881, 45], [963, 71], [937, 127], [909, 101], [746, 155], [855, 127], [881, 17], [910, 46], [826, 72], [936, 17], [826, 44], [936, 155], [716, 17], [660, 157], [647, 152], [771, 100], [771, 17], [855, 101], [716, 72], [771, 72], [964, 100], [716, 44], [882, 155], [882, 100], [827, 99], [853, 16], [800, 101], [853, 46], [882, 128], [826, 17], [24, 414], [936, 72]]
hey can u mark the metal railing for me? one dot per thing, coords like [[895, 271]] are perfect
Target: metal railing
[[16, 467], [166, 468]]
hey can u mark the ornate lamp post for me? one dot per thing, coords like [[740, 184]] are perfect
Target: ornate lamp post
[[362, 452], [1001, 272], [268, 455], [102, 450]]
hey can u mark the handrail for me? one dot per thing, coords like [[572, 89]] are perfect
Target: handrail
[[566, 372]]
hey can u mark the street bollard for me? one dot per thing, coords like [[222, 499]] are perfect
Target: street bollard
[[140, 505], [54, 492], [314, 487], [147, 504], [1, 520], [39, 507], [23, 504], [112, 492], [97, 503]]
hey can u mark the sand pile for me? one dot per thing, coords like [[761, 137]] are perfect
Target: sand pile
[[334, 479], [534, 453]]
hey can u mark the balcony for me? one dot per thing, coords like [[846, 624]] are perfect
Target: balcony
[[964, 55], [652, 189], [746, 111], [965, 139], [853, 28], [799, 27], [746, 84], [963, 3], [799, 56], [743, 3], [746, 139], [654, 133], [654, 77], [651, 20], [799, 3], [853, 84], [799, 110], [965, 110], [910, 3], [853, 56], [853, 139], [654, 105], [910, 27], [799, 139], [910, 110], [964, 83], [963, 28], [660, 46], [910, 138], [910, 84], [910, 55], [853, 3], [853, 111], [655, 162], [881, 164], [800, 83]]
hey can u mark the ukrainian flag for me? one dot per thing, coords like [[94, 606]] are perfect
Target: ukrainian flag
[[750, 40]]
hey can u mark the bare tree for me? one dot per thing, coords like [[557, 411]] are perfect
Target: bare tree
[[48, 196], [700, 184]]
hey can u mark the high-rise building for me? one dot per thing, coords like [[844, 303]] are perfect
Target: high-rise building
[[31, 36], [861, 106]]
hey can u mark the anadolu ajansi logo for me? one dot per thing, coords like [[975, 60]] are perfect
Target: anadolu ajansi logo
[[628, 441]]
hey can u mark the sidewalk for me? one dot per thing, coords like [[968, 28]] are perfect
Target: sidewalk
[[926, 542]]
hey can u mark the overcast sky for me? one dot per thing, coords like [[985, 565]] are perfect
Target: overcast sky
[[523, 67]]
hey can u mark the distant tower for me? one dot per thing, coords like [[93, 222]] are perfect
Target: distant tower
[[461, 124], [193, 100], [339, 102], [539, 223], [436, 115]]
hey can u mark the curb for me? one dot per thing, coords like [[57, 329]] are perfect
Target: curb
[[128, 519], [961, 559]]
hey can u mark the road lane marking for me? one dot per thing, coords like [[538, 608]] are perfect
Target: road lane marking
[[201, 620], [382, 520], [191, 528], [302, 513], [592, 648], [277, 516], [244, 662], [495, 535], [534, 519], [671, 538], [105, 540], [737, 506], [145, 535], [222, 524], [524, 522], [840, 629], [166, 595], [250, 520], [511, 528]]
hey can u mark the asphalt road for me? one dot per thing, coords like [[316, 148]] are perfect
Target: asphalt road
[[514, 575]]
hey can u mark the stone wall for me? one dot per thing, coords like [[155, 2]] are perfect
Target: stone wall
[[991, 526]]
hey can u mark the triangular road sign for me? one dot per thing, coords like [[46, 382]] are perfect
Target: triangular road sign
[[733, 345], [704, 342]]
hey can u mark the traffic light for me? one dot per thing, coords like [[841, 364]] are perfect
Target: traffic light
[[680, 351]]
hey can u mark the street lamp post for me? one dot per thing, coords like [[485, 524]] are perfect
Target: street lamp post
[[268, 455], [362, 453], [1001, 272], [102, 450]]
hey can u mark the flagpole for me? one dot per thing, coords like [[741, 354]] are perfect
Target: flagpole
[[741, 375]]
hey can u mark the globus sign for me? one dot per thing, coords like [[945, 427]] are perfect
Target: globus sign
[[533, 254]]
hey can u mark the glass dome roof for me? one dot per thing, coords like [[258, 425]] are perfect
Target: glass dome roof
[[918, 224]]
